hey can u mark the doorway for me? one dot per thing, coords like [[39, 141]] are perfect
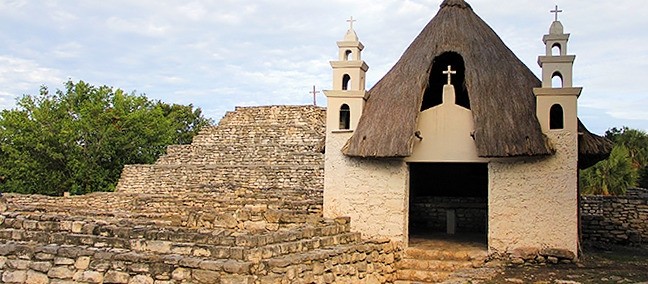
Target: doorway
[[449, 200]]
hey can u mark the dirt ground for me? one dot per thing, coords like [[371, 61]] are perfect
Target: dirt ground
[[597, 265]]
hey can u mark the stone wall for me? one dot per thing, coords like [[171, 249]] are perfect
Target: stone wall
[[430, 213], [615, 219], [252, 147], [174, 179], [22, 262]]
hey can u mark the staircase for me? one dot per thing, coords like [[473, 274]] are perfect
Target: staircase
[[278, 147], [436, 261]]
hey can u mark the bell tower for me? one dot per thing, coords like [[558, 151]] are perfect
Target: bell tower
[[557, 98], [346, 100]]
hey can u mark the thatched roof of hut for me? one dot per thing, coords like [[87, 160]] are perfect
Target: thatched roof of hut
[[591, 148], [499, 87]]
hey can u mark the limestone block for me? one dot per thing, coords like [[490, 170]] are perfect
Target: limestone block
[[139, 267], [60, 272], [41, 266], [18, 276], [89, 277], [34, 277], [237, 279], [63, 261], [82, 263], [17, 264], [205, 276], [181, 274], [113, 276], [141, 279]]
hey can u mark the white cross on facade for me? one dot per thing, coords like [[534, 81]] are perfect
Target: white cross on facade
[[556, 11], [350, 21], [449, 72]]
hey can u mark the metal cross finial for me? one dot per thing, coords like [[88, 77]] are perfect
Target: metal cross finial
[[350, 21], [556, 11], [314, 92], [449, 72]]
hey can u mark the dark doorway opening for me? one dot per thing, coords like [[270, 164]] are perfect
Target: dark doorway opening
[[449, 199]]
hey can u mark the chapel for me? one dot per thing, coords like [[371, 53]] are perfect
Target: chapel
[[459, 138]]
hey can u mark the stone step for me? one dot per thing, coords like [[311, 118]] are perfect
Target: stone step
[[82, 264], [300, 246], [455, 254], [308, 115], [433, 265], [418, 276], [259, 135], [220, 249], [373, 260], [174, 180], [25, 226]]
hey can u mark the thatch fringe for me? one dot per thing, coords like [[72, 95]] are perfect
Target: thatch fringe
[[591, 148], [499, 85]]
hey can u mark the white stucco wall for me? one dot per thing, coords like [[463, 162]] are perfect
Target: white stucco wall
[[372, 192], [534, 203], [446, 131]]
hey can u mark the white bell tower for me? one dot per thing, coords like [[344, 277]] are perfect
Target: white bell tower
[[346, 100], [557, 98]]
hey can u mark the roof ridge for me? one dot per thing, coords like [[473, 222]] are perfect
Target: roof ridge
[[455, 3]]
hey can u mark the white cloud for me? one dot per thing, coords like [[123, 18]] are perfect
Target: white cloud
[[218, 54]]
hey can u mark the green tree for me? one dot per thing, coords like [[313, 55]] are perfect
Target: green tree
[[78, 139], [186, 121], [612, 176], [636, 141]]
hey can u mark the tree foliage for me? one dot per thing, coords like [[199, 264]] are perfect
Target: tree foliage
[[612, 176], [626, 166], [78, 139]]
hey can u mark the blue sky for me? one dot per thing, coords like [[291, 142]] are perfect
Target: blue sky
[[220, 54]]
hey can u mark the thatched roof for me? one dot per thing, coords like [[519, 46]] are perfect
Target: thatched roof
[[591, 148], [499, 87]]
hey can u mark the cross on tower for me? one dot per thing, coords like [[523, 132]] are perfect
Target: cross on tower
[[314, 92], [556, 11], [449, 72], [350, 21]]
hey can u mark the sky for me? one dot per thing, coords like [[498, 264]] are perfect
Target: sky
[[220, 54]]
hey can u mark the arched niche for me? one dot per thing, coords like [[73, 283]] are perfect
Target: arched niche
[[556, 117], [346, 82], [345, 117], [434, 92], [557, 80]]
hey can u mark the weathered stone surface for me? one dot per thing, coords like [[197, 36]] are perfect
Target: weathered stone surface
[[14, 276], [91, 277], [82, 263], [559, 253], [181, 274], [205, 276], [63, 261], [41, 266], [17, 264], [237, 279], [60, 272], [141, 279], [34, 277], [113, 276], [525, 253]]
